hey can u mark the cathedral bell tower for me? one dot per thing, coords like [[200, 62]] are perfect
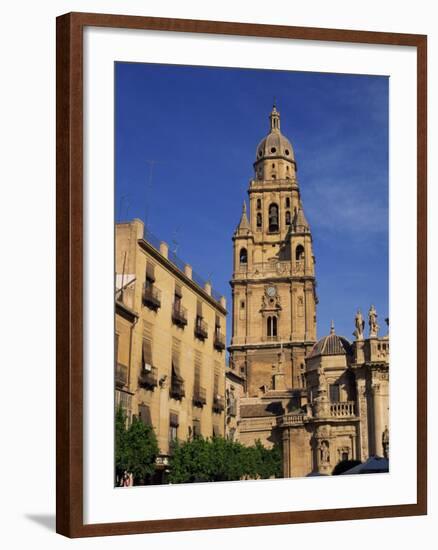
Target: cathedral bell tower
[[273, 283]]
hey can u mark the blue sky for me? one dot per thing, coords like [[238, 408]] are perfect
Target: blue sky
[[201, 126]]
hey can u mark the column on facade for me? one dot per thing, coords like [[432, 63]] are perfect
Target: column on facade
[[378, 419], [286, 453], [292, 311], [362, 412], [308, 292], [248, 316]]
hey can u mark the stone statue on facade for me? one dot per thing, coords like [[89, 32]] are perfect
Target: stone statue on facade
[[360, 325], [372, 320], [324, 452]]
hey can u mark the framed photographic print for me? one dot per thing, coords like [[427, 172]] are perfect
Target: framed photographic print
[[241, 275]]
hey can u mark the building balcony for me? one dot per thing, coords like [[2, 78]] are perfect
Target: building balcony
[[177, 390], [148, 377], [292, 419], [151, 296], [199, 396], [201, 329], [218, 403], [341, 409], [179, 315], [219, 341], [121, 375]]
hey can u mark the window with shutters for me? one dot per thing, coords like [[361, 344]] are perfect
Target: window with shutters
[[123, 401], [121, 370], [173, 429], [116, 347], [201, 327], [148, 377], [199, 392], [196, 431], [219, 337], [179, 312], [151, 294], [144, 414], [177, 390], [150, 273], [218, 398]]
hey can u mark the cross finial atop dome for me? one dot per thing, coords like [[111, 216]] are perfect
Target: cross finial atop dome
[[274, 118]]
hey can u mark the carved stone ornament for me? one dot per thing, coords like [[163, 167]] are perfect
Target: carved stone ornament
[[270, 299]]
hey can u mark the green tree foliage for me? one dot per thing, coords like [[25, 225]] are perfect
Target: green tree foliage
[[136, 448], [219, 459]]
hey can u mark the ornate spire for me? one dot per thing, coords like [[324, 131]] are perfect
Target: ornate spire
[[300, 223], [244, 223], [332, 327], [274, 118]]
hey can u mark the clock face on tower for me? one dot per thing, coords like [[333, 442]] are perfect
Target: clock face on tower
[[271, 291]]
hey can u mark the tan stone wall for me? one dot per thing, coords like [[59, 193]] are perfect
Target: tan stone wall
[[299, 452], [158, 325]]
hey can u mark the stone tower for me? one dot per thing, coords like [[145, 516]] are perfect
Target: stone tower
[[273, 283]]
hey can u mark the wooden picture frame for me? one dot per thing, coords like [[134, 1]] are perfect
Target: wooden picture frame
[[70, 240]]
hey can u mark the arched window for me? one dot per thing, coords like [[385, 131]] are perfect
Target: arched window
[[259, 204], [273, 217], [259, 220], [243, 257], [288, 218], [287, 204], [299, 253], [271, 327]]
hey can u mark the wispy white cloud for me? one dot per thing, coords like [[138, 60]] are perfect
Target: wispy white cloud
[[345, 205]]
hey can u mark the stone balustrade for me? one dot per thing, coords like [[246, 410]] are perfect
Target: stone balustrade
[[342, 408]]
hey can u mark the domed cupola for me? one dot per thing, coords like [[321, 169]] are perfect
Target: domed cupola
[[331, 345], [275, 157]]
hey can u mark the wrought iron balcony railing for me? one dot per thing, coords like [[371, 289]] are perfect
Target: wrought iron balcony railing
[[199, 396], [218, 403], [151, 296], [121, 375], [201, 329], [148, 377], [179, 315], [219, 341]]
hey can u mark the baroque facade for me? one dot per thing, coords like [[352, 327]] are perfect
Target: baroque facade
[[325, 401], [170, 341]]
